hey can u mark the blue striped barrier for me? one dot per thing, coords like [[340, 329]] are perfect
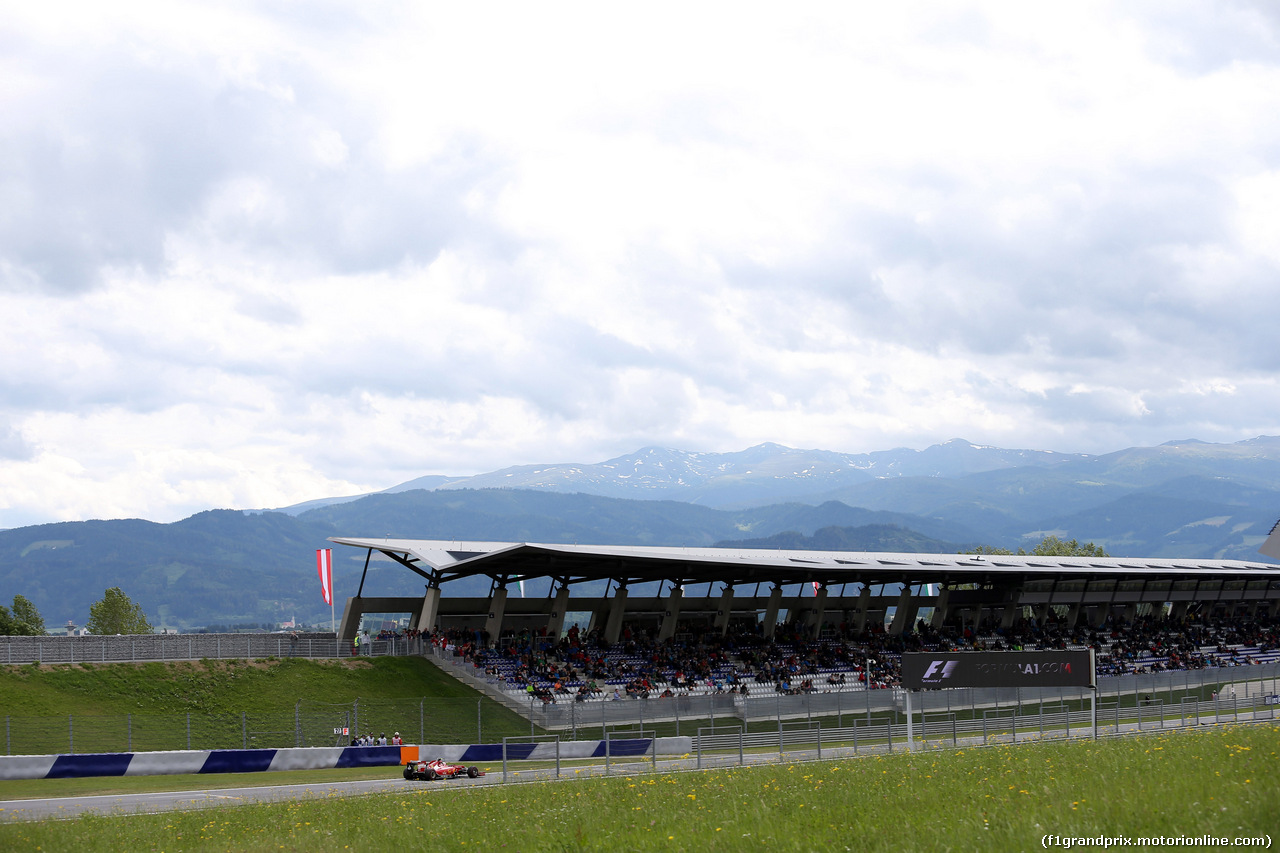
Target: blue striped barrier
[[316, 758]]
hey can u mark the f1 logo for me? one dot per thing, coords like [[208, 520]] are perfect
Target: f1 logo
[[939, 669]]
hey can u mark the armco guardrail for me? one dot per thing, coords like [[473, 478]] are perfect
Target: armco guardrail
[[166, 647]]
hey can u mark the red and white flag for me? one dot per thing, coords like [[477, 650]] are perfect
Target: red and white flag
[[324, 565]]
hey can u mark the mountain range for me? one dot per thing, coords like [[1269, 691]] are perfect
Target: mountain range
[[1181, 499]]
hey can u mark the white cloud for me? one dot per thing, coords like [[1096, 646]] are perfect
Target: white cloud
[[251, 256]]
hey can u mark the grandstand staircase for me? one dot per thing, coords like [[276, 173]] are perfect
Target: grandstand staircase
[[462, 674]]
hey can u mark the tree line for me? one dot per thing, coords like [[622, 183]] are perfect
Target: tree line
[[116, 613], [1050, 546]]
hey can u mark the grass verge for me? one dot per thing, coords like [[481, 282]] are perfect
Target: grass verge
[[1222, 782]]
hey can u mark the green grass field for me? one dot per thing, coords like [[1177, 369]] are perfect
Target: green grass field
[[124, 707], [1221, 781], [216, 686]]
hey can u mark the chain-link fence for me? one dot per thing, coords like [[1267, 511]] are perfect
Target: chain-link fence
[[166, 647], [309, 724], [1217, 694], [684, 712]]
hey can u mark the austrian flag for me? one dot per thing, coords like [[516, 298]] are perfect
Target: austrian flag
[[324, 565]]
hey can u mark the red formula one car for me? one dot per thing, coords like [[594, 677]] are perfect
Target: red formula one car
[[438, 768]]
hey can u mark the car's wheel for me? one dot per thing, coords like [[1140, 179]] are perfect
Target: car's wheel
[[473, 772], [430, 775], [408, 771]]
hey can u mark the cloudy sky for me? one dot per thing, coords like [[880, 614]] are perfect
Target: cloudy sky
[[253, 254]]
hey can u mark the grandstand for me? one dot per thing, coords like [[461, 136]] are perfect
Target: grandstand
[[689, 622]]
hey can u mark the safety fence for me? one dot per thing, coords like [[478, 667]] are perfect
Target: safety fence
[[309, 724], [1172, 698], [686, 709], [174, 647]]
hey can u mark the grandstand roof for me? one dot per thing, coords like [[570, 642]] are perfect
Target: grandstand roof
[[442, 561]]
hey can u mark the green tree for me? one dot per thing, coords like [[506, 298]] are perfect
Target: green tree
[[23, 620], [1050, 546], [117, 614], [28, 619]]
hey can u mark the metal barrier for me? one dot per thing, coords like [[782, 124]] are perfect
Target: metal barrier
[[817, 741], [419, 720], [174, 647]]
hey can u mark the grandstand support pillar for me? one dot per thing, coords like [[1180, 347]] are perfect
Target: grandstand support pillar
[[724, 611], [1011, 609], [1178, 611], [904, 615], [860, 614], [1073, 615], [816, 614], [1100, 616], [1042, 614], [1130, 613], [430, 608], [555, 625], [497, 607], [351, 618], [771, 612], [672, 617], [940, 609], [613, 625]]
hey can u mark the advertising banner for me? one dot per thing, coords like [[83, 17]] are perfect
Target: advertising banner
[[921, 670]]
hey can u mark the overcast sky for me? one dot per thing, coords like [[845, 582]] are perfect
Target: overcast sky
[[254, 254]]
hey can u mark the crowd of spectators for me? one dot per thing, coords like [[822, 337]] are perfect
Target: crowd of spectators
[[581, 666]]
